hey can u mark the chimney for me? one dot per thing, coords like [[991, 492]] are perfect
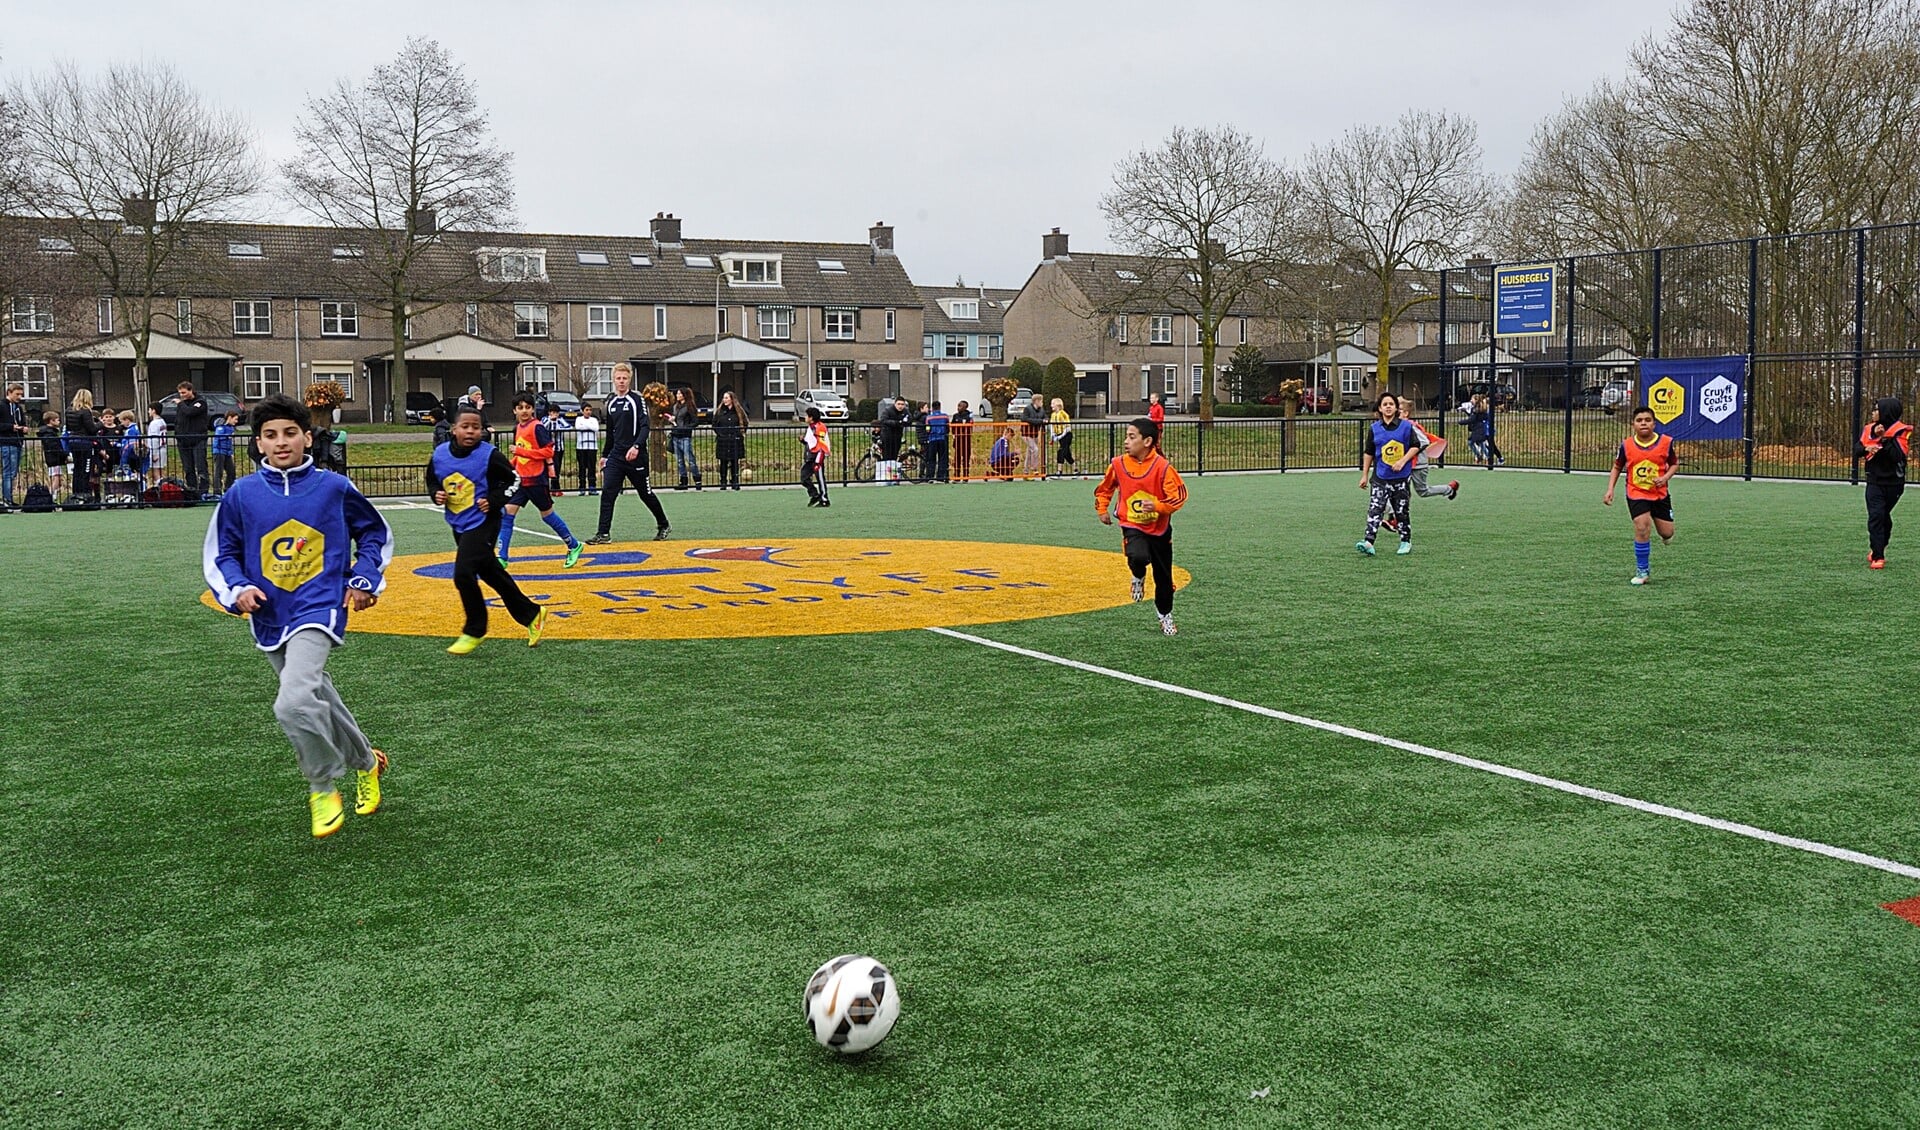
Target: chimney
[[1479, 261], [1053, 245], [137, 211], [666, 229], [423, 221], [880, 235]]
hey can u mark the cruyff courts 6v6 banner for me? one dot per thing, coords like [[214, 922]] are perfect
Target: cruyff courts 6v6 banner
[[1697, 397]]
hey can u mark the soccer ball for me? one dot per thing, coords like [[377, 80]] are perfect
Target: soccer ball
[[851, 1003]]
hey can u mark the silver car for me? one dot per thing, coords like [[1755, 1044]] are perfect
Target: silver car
[[831, 404]]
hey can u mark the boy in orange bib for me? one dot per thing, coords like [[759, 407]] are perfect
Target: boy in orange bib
[[1649, 460], [1149, 490]]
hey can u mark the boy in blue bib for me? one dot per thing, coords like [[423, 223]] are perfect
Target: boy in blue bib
[[472, 480]]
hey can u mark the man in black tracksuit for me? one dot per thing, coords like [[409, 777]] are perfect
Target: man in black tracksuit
[[625, 449], [1885, 443], [192, 422]]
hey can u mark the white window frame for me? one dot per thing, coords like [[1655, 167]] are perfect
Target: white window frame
[[344, 317], [1169, 380], [963, 309], [257, 317], [103, 314], [960, 340], [473, 319], [741, 270], [783, 379], [406, 328], [22, 373], [840, 324], [1120, 328], [1160, 330], [512, 264], [659, 323], [1243, 330], [597, 378], [340, 374], [926, 345], [1196, 330], [892, 324], [603, 321], [1350, 380], [530, 320], [834, 376], [544, 376], [1358, 336], [32, 315], [183, 317], [993, 347], [1199, 378], [590, 258], [776, 323], [260, 381]]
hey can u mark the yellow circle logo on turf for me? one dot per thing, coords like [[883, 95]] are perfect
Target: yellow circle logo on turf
[[723, 589]]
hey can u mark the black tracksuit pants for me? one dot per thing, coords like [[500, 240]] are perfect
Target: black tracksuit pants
[[1881, 499], [1155, 551], [619, 474], [474, 562]]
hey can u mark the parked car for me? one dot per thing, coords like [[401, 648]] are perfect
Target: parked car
[[831, 404], [1589, 397], [1500, 394], [1315, 399], [218, 403], [423, 408], [568, 404], [1615, 395]]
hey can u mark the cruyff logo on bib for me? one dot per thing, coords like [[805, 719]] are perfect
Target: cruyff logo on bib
[[291, 554], [460, 492]]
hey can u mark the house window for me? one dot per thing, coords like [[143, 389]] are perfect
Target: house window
[[841, 324], [32, 316], [544, 376], [183, 317], [926, 345], [964, 309], [640, 260], [1349, 380], [54, 245], [836, 376], [659, 323], [1419, 333], [1243, 331], [832, 266], [956, 346], [598, 379], [530, 319], [1170, 380], [473, 318], [776, 323], [1358, 336], [1120, 329], [252, 318], [513, 264], [31, 376], [1199, 378], [340, 373], [260, 380], [104, 315], [339, 319], [591, 258], [704, 262], [1160, 332], [244, 251], [890, 325], [754, 272], [720, 320], [603, 322], [783, 380], [1196, 331], [993, 352]]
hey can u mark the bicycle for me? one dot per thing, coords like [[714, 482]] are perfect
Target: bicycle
[[865, 470]]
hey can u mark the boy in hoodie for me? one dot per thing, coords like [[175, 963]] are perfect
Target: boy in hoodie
[[472, 480], [295, 550], [53, 447], [1885, 443], [1149, 491]]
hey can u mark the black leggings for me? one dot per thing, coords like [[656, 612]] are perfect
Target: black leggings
[[589, 469], [1881, 499], [1064, 450], [619, 474], [1146, 550], [474, 562]]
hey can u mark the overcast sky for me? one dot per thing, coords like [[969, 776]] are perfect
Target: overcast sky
[[971, 127]]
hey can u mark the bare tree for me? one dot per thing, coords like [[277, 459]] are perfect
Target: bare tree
[[392, 162], [123, 171], [1409, 198], [1210, 211]]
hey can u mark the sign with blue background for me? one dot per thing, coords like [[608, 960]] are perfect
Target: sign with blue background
[[1697, 397], [1523, 300]]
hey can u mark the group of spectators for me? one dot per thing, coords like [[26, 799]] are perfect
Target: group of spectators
[[96, 452]]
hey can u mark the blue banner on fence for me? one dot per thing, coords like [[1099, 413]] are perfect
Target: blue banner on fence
[[1697, 397], [1523, 300]]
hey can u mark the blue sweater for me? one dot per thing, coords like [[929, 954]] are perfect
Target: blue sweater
[[302, 537]]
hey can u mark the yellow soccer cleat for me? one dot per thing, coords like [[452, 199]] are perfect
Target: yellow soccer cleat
[[463, 645], [327, 812], [367, 795], [539, 625]]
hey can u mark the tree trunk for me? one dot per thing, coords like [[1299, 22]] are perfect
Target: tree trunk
[[1289, 407], [1209, 343], [397, 371]]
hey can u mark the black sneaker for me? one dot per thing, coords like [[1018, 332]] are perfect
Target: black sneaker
[[662, 532], [600, 539]]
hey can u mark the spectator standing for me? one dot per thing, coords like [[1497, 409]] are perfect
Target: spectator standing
[[686, 417], [1062, 433], [156, 445], [53, 449], [223, 433], [730, 438], [890, 422], [83, 431], [933, 453], [192, 423], [1033, 425], [13, 438], [557, 428], [962, 427], [628, 425], [586, 448]]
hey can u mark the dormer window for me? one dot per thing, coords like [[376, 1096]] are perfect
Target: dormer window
[[963, 309], [753, 271], [245, 251], [513, 264], [591, 258]]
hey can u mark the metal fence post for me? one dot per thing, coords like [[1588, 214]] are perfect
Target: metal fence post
[[1566, 444], [1443, 386], [1653, 346], [1200, 448], [1753, 330], [1859, 334]]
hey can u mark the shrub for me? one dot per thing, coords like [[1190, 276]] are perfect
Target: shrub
[[1059, 382]]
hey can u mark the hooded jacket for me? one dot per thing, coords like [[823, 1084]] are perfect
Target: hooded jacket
[[1886, 454]]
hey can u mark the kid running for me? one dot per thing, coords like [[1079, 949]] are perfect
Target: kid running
[[1386, 469], [1885, 443], [469, 477], [1149, 491], [1421, 465], [277, 551], [1649, 460], [813, 463], [532, 462]]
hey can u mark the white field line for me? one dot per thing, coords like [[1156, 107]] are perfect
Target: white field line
[[517, 529], [1817, 848]]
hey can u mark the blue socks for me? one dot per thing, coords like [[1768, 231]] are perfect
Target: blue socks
[[559, 526], [506, 533], [1643, 555]]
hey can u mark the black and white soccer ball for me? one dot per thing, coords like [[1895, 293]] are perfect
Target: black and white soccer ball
[[851, 1003]]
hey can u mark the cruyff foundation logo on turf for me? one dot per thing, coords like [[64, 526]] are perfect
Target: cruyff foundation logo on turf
[[291, 554], [810, 586]]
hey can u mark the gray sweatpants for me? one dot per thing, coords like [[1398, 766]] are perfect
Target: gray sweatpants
[[324, 735], [1421, 488]]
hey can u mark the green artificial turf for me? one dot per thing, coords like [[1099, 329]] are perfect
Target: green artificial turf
[[606, 869]]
